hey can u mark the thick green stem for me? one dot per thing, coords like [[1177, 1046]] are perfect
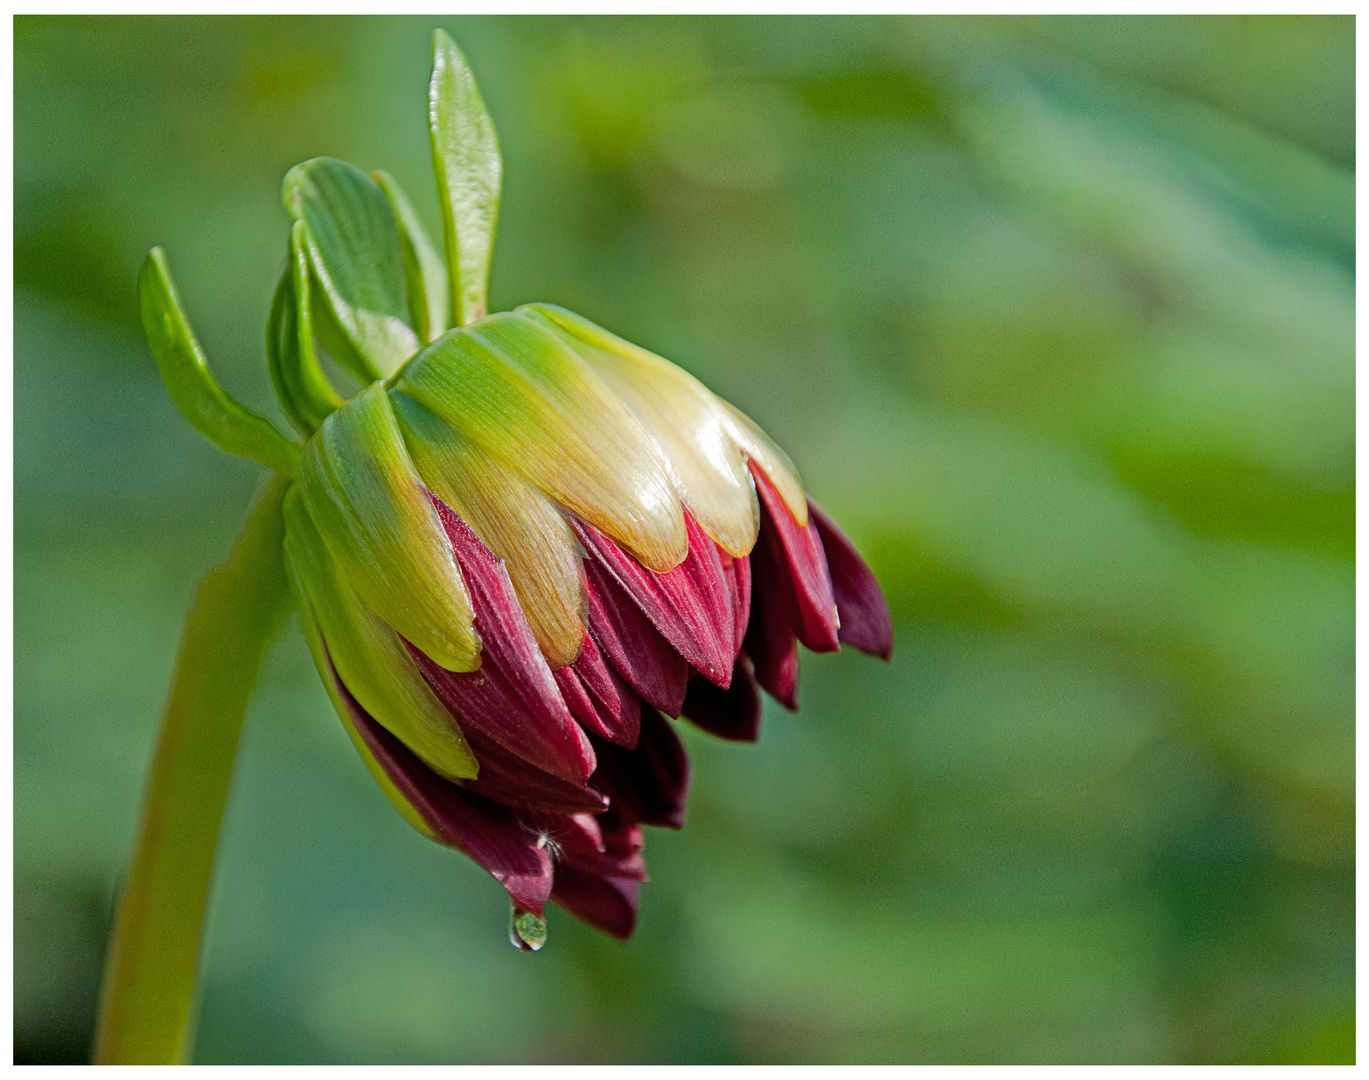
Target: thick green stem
[[147, 1005]]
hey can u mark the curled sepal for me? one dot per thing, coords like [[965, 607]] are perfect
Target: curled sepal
[[424, 270], [519, 392], [194, 391], [306, 396], [469, 169], [361, 490], [689, 422], [372, 661], [516, 521], [354, 250]]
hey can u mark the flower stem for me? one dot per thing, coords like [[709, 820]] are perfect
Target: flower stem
[[148, 999]]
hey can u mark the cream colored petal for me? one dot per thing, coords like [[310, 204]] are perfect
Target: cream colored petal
[[685, 417], [370, 507], [517, 391], [515, 520], [373, 663], [758, 446]]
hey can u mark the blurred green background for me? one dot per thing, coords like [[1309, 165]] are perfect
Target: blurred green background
[[1055, 315]]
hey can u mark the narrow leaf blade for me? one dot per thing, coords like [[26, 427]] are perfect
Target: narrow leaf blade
[[469, 170], [225, 422]]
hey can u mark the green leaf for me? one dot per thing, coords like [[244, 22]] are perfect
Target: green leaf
[[468, 167], [304, 393], [356, 255], [225, 422], [424, 269]]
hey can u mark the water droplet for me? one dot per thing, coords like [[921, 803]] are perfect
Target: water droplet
[[527, 931]]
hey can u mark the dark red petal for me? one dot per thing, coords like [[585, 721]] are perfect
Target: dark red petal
[[739, 574], [770, 640], [512, 698], [798, 551], [864, 612], [598, 697], [647, 784], [691, 605], [636, 648], [483, 830], [606, 903], [734, 713], [507, 778]]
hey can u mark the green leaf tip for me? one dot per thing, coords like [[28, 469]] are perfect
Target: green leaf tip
[[194, 391], [469, 170]]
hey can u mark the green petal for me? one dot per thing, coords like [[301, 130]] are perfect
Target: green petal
[[517, 391], [226, 423], [516, 521], [355, 251], [368, 503], [688, 421], [374, 664], [424, 270], [469, 169], [314, 637]]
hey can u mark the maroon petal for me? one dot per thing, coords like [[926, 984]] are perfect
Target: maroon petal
[[483, 830], [690, 605], [512, 698], [864, 612], [636, 648], [649, 783], [598, 697], [798, 553], [734, 713], [738, 572], [507, 778], [770, 640], [606, 903]]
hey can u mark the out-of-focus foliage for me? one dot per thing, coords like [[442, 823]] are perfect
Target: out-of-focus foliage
[[1055, 315]]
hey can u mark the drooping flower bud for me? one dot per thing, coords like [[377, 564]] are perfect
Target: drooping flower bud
[[527, 542]]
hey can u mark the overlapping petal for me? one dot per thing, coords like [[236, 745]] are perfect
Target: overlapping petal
[[512, 699], [521, 394], [515, 520], [361, 491]]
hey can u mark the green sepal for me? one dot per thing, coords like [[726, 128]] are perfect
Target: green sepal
[[424, 270], [314, 637], [304, 392], [356, 256], [469, 170], [371, 659], [371, 508], [226, 423]]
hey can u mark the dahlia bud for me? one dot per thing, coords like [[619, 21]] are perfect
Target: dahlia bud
[[528, 541]]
